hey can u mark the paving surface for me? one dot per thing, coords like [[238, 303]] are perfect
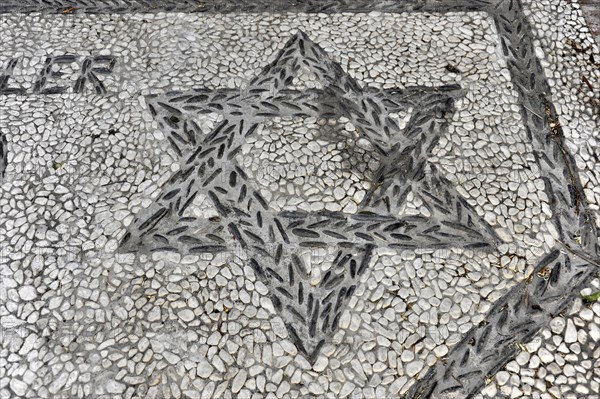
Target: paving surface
[[591, 12], [324, 199]]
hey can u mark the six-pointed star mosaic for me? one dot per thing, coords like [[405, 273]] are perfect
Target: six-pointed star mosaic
[[80, 321], [310, 311]]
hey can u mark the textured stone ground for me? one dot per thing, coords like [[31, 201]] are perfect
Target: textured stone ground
[[591, 12], [325, 199]]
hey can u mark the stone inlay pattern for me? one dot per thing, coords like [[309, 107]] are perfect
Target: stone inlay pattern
[[469, 128], [561, 362], [310, 309]]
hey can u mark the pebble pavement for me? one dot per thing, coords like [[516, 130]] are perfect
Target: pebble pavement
[[86, 314]]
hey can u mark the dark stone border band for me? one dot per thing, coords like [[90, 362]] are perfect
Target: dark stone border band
[[244, 6], [528, 306]]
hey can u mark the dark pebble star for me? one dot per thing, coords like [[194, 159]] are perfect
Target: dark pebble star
[[246, 221]]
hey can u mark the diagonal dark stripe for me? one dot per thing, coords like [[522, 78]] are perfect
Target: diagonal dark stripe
[[514, 319]]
